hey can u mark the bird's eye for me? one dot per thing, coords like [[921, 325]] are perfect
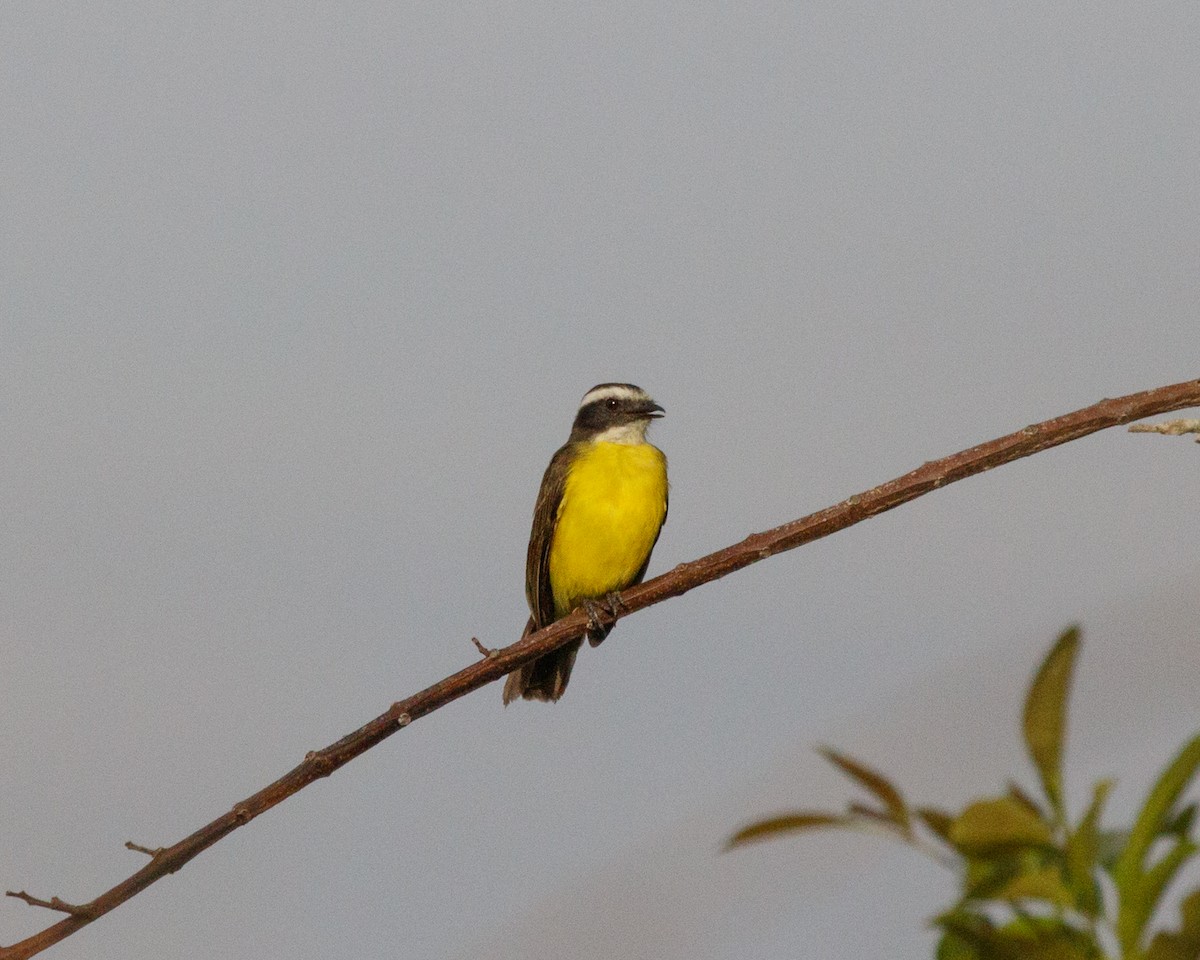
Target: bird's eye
[[611, 403]]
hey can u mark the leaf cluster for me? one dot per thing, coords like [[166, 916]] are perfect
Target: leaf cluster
[[1035, 884]]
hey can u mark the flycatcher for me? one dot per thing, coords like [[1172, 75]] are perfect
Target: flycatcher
[[601, 506]]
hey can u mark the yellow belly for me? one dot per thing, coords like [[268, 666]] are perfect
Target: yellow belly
[[614, 502]]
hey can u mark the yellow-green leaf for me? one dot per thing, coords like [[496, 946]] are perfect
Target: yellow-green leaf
[[1183, 944], [1109, 846], [953, 947], [1189, 913], [985, 875], [964, 935], [1041, 883], [1171, 946], [1053, 948], [1082, 849], [997, 824], [873, 781], [1139, 902], [787, 823], [1180, 825], [1128, 872], [1045, 717], [1025, 938]]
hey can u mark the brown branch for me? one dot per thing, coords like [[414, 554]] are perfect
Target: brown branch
[[54, 903], [483, 651], [686, 576], [148, 851]]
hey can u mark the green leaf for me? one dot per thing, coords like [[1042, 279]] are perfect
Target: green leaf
[[1163, 872], [1045, 717], [1025, 938], [1053, 948], [953, 947], [984, 877], [996, 825], [1183, 944], [876, 783], [1169, 946], [1189, 914], [1129, 875], [1111, 844], [1180, 825], [1082, 850], [787, 823], [1155, 815], [1043, 883], [1137, 906], [962, 931]]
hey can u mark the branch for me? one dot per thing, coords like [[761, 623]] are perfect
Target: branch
[[76, 910], [1172, 428], [496, 663]]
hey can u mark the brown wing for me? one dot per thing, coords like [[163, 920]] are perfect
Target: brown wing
[[537, 561]]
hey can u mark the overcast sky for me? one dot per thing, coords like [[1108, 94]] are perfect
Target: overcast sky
[[297, 301]]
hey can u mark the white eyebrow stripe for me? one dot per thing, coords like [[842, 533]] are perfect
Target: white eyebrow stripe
[[617, 391]]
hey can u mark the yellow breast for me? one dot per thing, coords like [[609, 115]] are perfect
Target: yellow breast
[[613, 505]]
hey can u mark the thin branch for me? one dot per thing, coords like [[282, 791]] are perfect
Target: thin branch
[[54, 903], [1172, 428], [148, 851], [685, 577], [483, 651]]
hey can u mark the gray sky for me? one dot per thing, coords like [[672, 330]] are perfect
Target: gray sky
[[296, 303]]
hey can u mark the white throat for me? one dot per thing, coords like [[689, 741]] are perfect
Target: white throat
[[630, 433]]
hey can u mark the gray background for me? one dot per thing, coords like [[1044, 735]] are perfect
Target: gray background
[[295, 303]]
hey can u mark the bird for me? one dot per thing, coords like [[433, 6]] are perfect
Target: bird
[[599, 511]]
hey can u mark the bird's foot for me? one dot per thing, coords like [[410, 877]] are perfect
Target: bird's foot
[[597, 628], [598, 613]]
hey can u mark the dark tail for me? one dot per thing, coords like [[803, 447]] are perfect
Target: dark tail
[[544, 679]]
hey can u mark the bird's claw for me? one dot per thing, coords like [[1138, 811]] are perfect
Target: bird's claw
[[597, 613], [597, 629]]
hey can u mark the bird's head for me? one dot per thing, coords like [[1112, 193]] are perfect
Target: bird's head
[[615, 413]]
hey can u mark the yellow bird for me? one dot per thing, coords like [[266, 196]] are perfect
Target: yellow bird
[[601, 506]]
